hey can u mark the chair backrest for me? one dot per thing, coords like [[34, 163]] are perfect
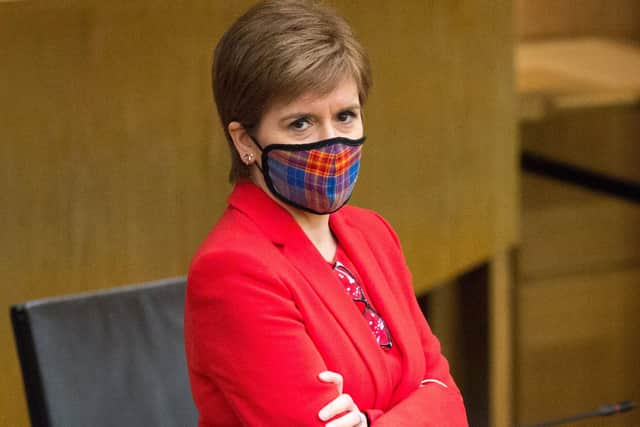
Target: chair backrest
[[106, 358]]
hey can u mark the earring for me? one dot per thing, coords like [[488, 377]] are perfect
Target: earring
[[248, 158]]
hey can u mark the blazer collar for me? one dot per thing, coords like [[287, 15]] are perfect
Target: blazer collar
[[273, 220]]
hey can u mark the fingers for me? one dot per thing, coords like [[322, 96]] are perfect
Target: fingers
[[339, 405], [333, 378], [343, 404], [352, 419]]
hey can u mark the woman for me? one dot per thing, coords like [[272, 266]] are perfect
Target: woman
[[300, 310]]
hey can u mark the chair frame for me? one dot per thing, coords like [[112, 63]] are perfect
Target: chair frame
[[31, 375]]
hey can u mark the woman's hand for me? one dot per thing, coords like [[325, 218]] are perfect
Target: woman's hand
[[343, 404]]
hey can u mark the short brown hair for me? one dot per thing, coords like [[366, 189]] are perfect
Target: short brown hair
[[276, 51]]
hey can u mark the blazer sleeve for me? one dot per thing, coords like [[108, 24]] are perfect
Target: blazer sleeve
[[245, 337], [437, 402]]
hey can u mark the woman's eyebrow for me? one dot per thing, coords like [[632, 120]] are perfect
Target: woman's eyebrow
[[295, 116], [303, 114], [351, 107], [300, 115]]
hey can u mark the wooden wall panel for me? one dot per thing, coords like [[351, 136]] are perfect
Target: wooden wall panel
[[567, 230], [113, 167], [578, 325], [603, 140], [440, 161], [578, 305], [552, 18], [579, 345]]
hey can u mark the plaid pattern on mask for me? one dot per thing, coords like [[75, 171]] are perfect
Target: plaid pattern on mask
[[320, 180]]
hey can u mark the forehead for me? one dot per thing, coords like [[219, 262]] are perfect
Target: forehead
[[344, 94]]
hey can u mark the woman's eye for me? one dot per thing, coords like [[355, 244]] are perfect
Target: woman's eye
[[300, 124], [346, 116]]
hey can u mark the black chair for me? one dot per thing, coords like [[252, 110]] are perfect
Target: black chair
[[106, 358]]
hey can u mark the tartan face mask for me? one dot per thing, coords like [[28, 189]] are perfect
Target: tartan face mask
[[317, 177]]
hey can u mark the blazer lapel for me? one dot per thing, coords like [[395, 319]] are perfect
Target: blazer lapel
[[281, 228], [379, 290], [319, 274], [322, 279]]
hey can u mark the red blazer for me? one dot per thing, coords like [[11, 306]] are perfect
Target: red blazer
[[265, 314]]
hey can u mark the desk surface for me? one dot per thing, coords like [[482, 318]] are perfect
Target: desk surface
[[576, 73]]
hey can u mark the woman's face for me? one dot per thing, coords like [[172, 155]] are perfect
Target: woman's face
[[309, 118], [312, 117]]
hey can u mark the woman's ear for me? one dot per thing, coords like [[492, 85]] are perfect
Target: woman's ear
[[242, 142]]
